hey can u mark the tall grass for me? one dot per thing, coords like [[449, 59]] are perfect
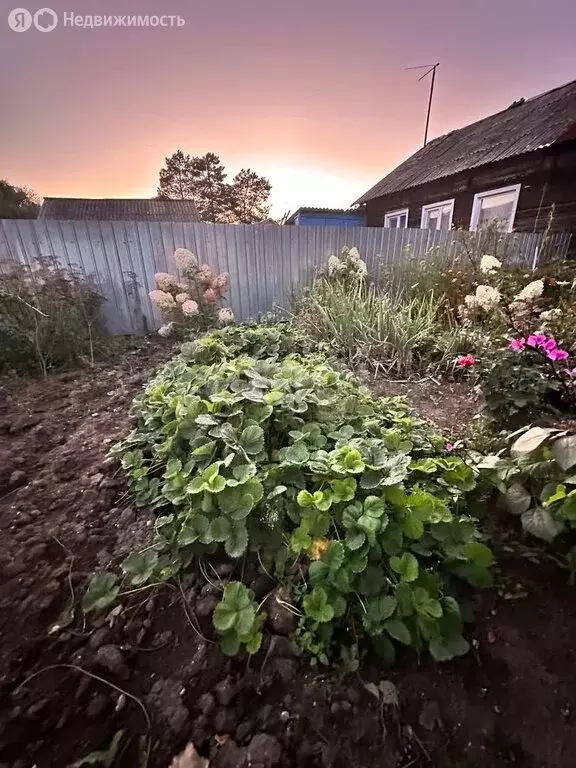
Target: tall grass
[[402, 335]]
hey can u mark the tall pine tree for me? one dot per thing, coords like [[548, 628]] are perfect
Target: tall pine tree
[[203, 179], [249, 197]]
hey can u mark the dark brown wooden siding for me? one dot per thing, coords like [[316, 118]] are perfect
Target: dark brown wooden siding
[[548, 179]]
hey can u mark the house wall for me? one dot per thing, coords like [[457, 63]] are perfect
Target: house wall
[[548, 179]]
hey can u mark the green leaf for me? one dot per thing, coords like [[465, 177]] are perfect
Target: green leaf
[[355, 539], [224, 616], [237, 541], [139, 566], [101, 593], [517, 499], [255, 641], [539, 522], [316, 606], [406, 566], [381, 608], [397, 629], [551, 493], [220, 528], [480, 554], [343, 490], [334, 555], [252, 439], [426, 605], [530, 441], [374, 506], [446, 648], [230, 644], [412, 524], [564, 451]]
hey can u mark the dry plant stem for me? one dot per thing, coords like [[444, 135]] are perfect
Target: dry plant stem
[[186, 608], [94, 677]]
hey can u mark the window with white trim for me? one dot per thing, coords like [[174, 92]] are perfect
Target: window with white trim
[[495, 208], [437, 215], [396, 219]]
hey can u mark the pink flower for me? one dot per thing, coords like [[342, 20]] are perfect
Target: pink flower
[[536, 340], [557, 354], [517, 344], [572, 373], [449, 447], [549, 345], [466, 360]]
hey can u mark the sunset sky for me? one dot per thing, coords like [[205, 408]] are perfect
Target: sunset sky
[[311, 93]]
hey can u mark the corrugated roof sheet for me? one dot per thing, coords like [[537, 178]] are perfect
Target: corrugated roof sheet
[[523, 127], [313, 209], [73, 209]]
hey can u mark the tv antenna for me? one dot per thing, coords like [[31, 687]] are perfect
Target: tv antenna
[[430, 68]]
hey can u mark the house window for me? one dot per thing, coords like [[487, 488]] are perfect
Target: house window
[[437, 215], [396, 219], [496, 208]]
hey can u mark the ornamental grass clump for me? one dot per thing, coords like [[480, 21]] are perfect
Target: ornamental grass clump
[[194, 303], [350, 503]]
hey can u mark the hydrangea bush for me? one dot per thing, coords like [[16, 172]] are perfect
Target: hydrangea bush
[[194, 302]]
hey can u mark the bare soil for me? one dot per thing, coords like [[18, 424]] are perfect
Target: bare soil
[[65, 511]]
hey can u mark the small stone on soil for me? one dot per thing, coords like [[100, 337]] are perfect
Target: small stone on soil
[[225, 692], [280, 619], [264, 751], [110, 657]]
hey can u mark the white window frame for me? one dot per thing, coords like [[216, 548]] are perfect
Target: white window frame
[[431, 207], [393, 214], [488, 193]]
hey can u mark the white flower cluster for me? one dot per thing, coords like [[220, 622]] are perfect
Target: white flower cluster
[[347, 265], [486, 298], [489, 264], [531, 292]]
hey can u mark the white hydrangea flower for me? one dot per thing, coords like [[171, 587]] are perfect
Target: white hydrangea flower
[[550, 314], [471, 302], [532, 291], [225, 316], [184, 259], [166, 330], [489, 264], [487, 296], [333, 265]]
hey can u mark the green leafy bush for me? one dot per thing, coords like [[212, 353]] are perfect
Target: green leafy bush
[[49, 318], [349, 501], [537, 480], [255, 340]]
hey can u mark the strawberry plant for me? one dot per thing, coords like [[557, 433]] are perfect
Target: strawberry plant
[[350, 501]]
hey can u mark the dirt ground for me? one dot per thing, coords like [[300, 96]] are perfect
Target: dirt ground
[[68, 686]]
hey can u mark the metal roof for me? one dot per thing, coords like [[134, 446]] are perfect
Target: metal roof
[[108, 209], [312, 209], [526, 125]]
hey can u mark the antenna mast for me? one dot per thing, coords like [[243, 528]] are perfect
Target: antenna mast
[[430, 68]]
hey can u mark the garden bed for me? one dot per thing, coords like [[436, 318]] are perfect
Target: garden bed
[[65, 511]]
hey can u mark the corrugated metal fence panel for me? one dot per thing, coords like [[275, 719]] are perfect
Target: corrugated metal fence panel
[[266, 263]]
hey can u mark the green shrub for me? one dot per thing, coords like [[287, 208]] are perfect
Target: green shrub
[[536, 478], [349, 501], [49, 319]]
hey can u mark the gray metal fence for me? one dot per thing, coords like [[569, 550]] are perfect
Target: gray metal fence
[[266, 262]]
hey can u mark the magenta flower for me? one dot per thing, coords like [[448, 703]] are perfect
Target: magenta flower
[[549, 345], [517, 344], [536, 340], [557, 354], [449, 447]]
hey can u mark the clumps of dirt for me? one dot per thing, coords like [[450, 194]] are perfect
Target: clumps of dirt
[[149, 679], [449, 405]]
